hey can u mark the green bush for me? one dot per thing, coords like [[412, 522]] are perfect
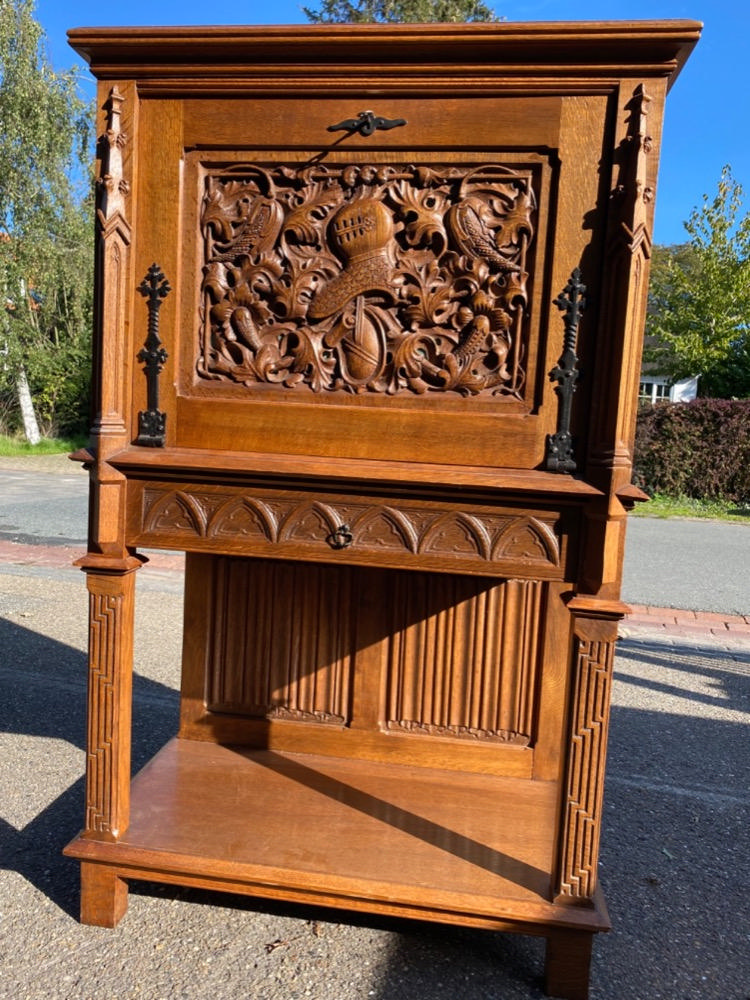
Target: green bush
[[699, 449]]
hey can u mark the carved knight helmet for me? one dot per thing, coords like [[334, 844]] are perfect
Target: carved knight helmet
[[360, 233]]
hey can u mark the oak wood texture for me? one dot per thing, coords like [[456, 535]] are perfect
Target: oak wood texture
[[387, 531], [336, 368], [389, 838]]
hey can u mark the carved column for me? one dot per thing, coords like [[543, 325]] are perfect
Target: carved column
[[113, 272], [110, 431], [111, 606], [594, 635], [622, 318]]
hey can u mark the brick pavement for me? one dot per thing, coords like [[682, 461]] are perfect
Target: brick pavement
[[64, 556], [671, 624], [686, 626]]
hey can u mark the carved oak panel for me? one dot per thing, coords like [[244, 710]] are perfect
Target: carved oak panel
[[463, 659], [262, 520], [282, 641], [371, 278]]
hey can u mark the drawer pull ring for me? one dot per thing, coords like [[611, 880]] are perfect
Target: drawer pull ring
[[341, 538], [366, 123]]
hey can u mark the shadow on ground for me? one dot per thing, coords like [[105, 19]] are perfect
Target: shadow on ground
[[43, 696], [675, 859]]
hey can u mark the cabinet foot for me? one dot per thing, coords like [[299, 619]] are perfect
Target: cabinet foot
[[104, 895], [567, 964]]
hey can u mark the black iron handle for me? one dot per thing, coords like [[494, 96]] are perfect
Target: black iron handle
[[341, 538], [366, 123]]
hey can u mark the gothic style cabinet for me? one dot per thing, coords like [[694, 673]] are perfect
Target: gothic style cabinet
[[370, 302]]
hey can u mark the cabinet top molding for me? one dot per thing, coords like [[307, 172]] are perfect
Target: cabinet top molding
[[538, 49]]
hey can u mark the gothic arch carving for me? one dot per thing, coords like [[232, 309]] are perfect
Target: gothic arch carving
[[528, 539], [385, 528], [456, 533], [245, 517], [309, 522], [177, 511]]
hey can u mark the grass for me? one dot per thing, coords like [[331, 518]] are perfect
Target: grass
[[716, 510], [14, 446]]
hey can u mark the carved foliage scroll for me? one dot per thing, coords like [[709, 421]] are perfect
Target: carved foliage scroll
[[367, 279], [463, 661]]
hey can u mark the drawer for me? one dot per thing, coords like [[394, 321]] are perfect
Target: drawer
[[322, 526]]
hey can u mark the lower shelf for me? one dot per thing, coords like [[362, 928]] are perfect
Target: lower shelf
[[458, 848]]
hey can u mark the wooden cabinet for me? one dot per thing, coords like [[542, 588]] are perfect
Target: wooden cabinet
[[370, 304]]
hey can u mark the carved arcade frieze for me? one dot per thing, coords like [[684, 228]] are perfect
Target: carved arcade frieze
[[367, 279], [246, 520]]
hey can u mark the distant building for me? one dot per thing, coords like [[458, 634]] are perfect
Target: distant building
[[655, 387], [660, 389]]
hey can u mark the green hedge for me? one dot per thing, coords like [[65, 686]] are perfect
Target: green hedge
[[699, 449]]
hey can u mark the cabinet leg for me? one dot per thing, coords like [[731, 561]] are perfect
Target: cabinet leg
[[104, 895], [567, 964]]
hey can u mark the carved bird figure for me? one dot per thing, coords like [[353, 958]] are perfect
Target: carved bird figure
[[256, 234], [475, 239]]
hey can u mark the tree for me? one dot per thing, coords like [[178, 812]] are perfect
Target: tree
[[699, 300], [396, 11], [45, 225]]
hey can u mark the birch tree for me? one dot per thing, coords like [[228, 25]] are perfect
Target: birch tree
[[45, 246]]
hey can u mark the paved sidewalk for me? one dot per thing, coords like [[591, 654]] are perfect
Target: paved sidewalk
[[726, 631], [675, 863], [669, 624]]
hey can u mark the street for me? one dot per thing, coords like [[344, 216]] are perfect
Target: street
[[675, 861], [695, 564]]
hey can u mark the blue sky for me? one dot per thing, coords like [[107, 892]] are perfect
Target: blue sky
[[708, 111]]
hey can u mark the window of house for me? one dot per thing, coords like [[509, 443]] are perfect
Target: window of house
[[651, 391]]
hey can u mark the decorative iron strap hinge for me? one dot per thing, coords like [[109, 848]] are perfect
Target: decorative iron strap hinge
[[152, 421], [572, 302]]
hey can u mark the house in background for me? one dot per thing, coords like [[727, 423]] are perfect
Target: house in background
[[661, 389], [654, 386]]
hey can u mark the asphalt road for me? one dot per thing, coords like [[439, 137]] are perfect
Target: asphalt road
[[696, 565], [675, 861], [45, 504]]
